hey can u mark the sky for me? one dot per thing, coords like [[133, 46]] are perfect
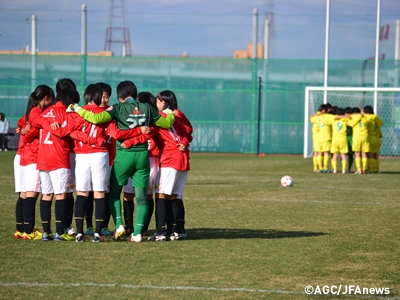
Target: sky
[[204, 28]]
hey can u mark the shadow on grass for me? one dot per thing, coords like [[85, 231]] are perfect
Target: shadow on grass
[[388, 172], [234, 233]]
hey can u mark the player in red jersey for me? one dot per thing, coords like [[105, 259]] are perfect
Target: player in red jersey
[[55, 173], [22, 129], [112, 148], [92, 166], [41, 98], [19, 217], [174, 166], [189, 131], [67, 83]]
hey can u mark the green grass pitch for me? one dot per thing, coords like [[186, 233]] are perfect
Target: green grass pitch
[[248, 238]]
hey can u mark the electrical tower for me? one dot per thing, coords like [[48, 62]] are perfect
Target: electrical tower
[[117, 32]]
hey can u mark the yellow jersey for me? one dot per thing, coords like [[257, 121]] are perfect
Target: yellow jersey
[[359, 124]]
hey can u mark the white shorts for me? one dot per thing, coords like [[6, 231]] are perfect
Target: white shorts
[[92, 172], [55, 182], [128, 188], [154, 169], [72, 180], [30, 178], [171, 181], [17, 174]]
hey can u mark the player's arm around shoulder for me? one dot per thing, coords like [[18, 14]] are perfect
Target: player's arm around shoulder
[[355, 118], [96, 118]]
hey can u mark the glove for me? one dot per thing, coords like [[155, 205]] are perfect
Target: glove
[[73, 108]]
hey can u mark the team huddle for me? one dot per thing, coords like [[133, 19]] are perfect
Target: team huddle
[[353, 133], [140, 146]]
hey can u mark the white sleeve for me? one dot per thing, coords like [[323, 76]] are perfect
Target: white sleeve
[[6, 126]]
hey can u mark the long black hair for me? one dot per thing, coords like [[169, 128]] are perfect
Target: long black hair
[[38, 94], [170, 98]]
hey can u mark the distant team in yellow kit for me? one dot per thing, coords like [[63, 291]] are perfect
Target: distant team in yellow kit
[[351, 134]]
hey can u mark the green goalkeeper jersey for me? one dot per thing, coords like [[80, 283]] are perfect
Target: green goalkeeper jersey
[[129, 114]]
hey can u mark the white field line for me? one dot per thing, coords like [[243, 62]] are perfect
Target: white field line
[[181, 288]]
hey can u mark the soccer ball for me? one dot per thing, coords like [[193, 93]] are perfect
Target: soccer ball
[[286, 181]]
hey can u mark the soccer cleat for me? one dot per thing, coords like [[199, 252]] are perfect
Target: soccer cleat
[[357, 173], [31, 236], [105, 231], [334, 171], [177, 236], [18, 234], [118, 233], [79, 238], [97, 238], [47, 237], [58, 238], [136, 238], [70, 231], [37, 232], [89, 231], [67, 237], [158, 238]]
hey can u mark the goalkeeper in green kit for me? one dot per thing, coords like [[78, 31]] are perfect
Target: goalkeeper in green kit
[[129, 162]]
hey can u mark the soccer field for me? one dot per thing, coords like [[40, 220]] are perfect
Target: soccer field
[[248, 238]]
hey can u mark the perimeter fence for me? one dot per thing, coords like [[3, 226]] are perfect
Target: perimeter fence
[[236, 105]]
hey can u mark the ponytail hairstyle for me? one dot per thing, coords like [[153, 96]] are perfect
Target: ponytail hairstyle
[[170, 99], [36, 96]]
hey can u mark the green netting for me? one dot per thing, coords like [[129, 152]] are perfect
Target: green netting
[[235, 105]]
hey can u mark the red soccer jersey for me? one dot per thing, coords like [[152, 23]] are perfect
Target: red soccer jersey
[[92, 130], [53, 150], [153, 149], [167, 141], [111, 143], [29, 153], [188, 125], [22, 140]]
